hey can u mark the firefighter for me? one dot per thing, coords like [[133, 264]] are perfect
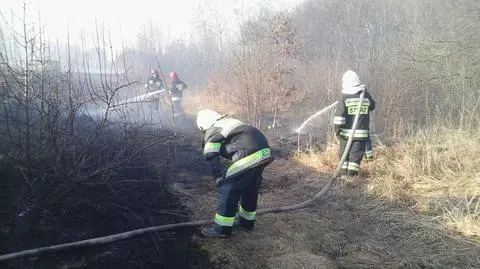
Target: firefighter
[[155, 83], [248, 151], [344, 117], [176, 92]]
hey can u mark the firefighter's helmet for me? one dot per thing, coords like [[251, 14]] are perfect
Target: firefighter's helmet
[[206, 118], [350, 79], [173, 75], [155, 72]]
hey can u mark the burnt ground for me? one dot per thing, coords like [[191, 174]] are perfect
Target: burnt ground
[[138, 194], [135, 196]]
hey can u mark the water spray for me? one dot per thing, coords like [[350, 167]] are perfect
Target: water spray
[[102, 109], [140, 98], [299, 129]]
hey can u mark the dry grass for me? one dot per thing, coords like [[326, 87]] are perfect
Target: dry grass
[[436, 172], [323, 161], [301, 260]]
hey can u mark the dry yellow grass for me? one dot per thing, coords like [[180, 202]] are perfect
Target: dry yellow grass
[[324, 161], [436, 172]]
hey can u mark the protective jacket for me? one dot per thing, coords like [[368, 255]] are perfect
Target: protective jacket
[[177, 88], [239, 142], [346, 110], [155, 84]]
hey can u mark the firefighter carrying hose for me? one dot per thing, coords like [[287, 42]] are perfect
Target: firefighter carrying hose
[[249, 151], [343, 122], [155, 83]]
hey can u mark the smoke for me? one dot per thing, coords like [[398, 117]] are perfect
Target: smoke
[[152, 109]]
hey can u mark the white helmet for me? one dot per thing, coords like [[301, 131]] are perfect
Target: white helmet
[[350, 79], [206, 118]]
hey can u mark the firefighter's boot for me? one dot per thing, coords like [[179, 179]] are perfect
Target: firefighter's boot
[[243, 224], [215, 232]]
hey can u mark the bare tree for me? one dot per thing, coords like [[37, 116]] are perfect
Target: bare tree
[[57, 120]]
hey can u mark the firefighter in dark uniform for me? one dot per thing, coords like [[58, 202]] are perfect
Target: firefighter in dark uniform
[[344, 117], [176, 92], [155, 83], [249, 152]]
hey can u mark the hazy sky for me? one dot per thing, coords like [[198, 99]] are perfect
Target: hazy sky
[[125, 17]]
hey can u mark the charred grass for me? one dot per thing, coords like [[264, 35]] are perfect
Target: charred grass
[[131, 196]]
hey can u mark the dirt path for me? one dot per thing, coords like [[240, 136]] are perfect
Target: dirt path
[[346, 229]]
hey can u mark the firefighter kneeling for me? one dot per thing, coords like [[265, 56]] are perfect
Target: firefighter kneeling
[[343, 122], [249, 151]]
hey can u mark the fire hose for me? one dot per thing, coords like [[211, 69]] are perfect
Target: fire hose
[[133, 233]]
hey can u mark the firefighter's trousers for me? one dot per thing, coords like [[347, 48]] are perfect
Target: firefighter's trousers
[[351, 166], [177, 105], [243, 188]]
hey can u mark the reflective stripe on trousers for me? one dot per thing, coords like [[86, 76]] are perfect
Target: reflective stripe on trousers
[[248, 215], [224, 221], [351, 166]]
